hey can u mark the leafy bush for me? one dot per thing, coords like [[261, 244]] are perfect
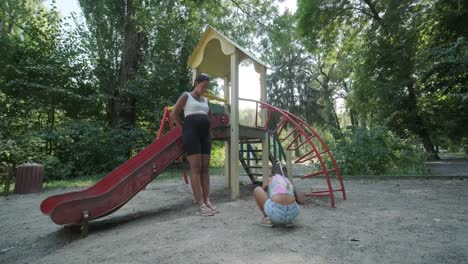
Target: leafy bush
[[86, 148], [79, 148], [217, 158], [377, 151], [19, 149]]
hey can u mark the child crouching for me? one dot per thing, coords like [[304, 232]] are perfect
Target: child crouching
[[277, 199]]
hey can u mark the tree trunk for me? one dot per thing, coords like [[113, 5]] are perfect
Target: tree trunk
[[335, 116], [354, 117], [464, 18], [419, 125], [428, 146], [123, 102], [297, 152], [49, 127], [363, 120]]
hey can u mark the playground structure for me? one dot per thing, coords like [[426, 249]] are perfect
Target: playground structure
[[275, 134]]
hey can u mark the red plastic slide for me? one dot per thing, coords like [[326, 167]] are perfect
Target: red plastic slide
[[119, 186]]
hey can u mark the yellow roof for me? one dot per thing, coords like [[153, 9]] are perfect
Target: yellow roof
[[212, 54]]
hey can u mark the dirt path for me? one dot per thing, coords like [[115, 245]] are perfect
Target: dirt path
[[384, 221], [449, 167]]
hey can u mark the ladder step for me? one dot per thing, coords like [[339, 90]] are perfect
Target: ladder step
[[250, 150], [258, 178], [254, 167], [250, 141], [256, 174], [251, 159]]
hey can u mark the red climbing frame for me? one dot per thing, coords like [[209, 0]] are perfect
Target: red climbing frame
[[301, 138]]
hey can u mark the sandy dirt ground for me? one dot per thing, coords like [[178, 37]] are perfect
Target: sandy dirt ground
[[383, 221]]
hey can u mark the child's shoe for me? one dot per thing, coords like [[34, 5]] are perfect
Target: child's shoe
[[266, 222]]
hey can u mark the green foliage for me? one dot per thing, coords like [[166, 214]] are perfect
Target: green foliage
[[217, 158], [304, 80], [397, 64], [86, 148], [407, 58], [21, 148], [80, 148], [377, 151], [61, 79], [247, 116]]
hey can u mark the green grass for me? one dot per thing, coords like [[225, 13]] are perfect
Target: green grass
[[86, 181], [453, 155]]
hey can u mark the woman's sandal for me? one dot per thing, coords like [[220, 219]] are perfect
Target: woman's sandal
[[213, 208], [204, 211]]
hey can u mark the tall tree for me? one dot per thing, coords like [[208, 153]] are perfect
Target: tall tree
[[302, 82], [387, 80], [141, 48]]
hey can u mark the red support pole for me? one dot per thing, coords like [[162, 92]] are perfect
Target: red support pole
[[163, 123], [290, 133], [300, 145], [335, 165], [268, 121], [167, 117], [294, 139], [302, 159], [315, 174], [185, 177], [280, 127]]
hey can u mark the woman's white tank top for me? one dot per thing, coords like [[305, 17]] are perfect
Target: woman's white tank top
[[193, 106]]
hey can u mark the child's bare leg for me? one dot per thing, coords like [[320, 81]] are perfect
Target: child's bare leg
[[260, 197]]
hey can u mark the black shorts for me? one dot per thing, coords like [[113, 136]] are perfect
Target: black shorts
[[196, 134]]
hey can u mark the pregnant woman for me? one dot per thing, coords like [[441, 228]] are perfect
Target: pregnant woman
[[197, 141]]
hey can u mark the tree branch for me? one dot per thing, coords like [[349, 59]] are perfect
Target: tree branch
[[318, 80], [374, 12], [248, 14]]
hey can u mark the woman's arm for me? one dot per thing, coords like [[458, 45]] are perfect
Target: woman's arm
[[209, 118], [175, 114]]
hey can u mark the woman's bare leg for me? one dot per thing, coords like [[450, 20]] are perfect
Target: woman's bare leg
[[195, 177], [205, 178]]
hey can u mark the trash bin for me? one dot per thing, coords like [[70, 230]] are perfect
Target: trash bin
[[29, 178]]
